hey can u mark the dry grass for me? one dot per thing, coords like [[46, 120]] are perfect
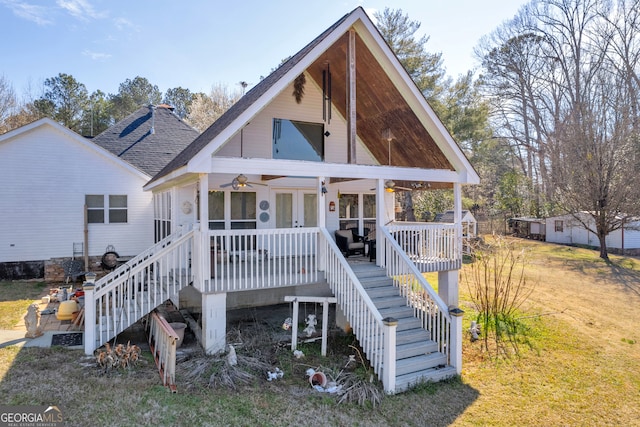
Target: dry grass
[[578, 367], [15, 297]]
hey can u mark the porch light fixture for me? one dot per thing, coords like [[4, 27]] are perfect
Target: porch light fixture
[[389, 186], [324, 189]]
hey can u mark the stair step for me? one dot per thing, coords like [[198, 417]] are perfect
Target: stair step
[[397, 312], [384, 291], [408, 323], [404, 382], [363, 270], [420, 363], [416, 348], [411, 335], [389, 301], [377, 281]]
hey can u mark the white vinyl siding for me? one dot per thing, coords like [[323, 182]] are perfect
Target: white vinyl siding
[[46, 174], [255, 140]]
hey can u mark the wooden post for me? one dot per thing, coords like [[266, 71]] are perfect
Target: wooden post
[[389, 358], [89, 318], [325, 301], [455, 340]]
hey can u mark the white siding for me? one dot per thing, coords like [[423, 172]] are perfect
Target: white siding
[[46, 174], [574, 233], [257, 135]]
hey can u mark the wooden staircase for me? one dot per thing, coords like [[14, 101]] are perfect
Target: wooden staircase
[[417, 356]]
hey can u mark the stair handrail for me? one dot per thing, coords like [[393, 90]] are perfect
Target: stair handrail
[[399, 266], [141, 261], [370, 341], [111, 305]]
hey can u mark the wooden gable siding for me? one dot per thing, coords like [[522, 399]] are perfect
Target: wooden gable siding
[[47, 175], [256, 138], [379, 106]]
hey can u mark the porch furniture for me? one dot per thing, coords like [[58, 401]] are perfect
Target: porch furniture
[[346, 241], [73, 268], [372, 249]]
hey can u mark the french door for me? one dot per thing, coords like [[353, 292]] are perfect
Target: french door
[[296, 209]]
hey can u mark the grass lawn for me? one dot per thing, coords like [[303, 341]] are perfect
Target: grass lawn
[[579, 368]]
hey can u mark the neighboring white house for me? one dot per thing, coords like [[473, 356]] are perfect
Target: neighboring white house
[[566, 229], [49, 173], [250, 209]]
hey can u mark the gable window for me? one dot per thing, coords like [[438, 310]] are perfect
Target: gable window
[[559, 226], [102, 209], [295, 140]]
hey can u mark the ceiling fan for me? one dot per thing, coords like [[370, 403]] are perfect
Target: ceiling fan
[[241, 181], [390, 187]]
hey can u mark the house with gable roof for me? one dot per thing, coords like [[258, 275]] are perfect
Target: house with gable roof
[[257, 210], [51, 173]]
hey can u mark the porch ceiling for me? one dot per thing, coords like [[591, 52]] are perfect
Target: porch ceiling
[[379, 106]]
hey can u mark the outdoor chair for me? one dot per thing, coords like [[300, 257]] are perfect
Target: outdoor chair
[[347, 242], [73, 268]]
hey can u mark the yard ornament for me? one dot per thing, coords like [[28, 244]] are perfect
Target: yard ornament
[[32, 321]]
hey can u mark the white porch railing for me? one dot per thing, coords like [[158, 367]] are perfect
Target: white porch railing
[[427, 304], [258, 259], [431, 246], [362, 314], [121, 298]]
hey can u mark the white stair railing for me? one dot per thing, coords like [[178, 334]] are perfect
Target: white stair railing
[[121, 298], [363, 316], [427, 304], [163, 343]]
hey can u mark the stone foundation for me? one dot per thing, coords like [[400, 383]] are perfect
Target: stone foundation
[[53, 271]]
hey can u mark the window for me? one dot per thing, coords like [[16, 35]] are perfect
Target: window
[[95, 208], [357, 211], [559, 226], [348, 211], [295, 140], [116, 210], [216, 210], [162, 215], [243, 210]]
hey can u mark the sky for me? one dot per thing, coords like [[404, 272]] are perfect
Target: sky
[[196, 44]]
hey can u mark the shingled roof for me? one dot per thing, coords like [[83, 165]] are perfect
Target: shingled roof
[[133, 140]]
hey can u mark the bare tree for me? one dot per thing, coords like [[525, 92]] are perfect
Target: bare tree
[[7, 103], [569, 73], [205, 109]]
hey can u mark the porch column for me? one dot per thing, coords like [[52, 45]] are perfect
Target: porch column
[[457, 216], [214, 322], [381, 219], [322, 207], [203, 266], [448, 287]]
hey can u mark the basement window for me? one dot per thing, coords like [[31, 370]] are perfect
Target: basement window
[[294, 140]]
